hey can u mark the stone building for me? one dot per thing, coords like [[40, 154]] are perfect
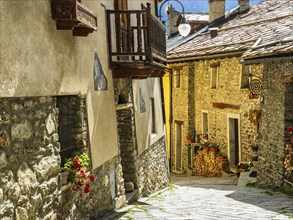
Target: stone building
[[227, 83], [61, 93]]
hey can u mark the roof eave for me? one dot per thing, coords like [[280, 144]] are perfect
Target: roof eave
[[209, 56]]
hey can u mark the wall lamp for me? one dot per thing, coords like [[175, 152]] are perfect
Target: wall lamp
[[184, 27]]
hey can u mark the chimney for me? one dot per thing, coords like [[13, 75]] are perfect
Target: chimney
[[213, 32], [216, 9], [172, 20], [243, 5]]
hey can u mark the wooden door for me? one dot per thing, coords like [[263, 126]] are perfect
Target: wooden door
[[233, 141]]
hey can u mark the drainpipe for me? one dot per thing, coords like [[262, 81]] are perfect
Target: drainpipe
[[163, 100], [171, 117]]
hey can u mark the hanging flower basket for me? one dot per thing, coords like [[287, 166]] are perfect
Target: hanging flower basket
[[290, 132], [78, 175]]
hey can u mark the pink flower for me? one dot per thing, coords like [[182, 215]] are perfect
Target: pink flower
[[83, 174]]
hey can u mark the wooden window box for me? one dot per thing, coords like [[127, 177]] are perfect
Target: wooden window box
[[72, 15]]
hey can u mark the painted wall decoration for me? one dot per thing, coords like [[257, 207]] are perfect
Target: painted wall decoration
[[142, 102], [100, 80]]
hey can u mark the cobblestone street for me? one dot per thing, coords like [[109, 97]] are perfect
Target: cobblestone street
[[209, 198]]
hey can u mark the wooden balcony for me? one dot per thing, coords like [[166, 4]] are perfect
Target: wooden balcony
[[72, 15], [137, 44]]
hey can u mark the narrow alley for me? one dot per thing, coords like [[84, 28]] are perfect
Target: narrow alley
[[209, 198]]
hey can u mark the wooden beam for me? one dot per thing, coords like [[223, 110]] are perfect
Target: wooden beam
[[225, 105]]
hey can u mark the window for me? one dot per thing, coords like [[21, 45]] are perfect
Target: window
[[214, 77], [142, 103], [205, 124], [244, 79], [153, 115], [177, 78], [72, 126]]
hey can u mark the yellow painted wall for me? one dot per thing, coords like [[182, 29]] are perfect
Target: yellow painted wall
[[167, 100]]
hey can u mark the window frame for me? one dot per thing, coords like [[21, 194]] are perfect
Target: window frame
[[245, 69], [205, 124], [153, 116], [214, 77], [177, 78]]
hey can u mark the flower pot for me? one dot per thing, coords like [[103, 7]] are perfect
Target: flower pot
[[64, 177], [214, 150], [206, 148]]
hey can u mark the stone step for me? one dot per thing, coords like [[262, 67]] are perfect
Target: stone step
[[131, 196]]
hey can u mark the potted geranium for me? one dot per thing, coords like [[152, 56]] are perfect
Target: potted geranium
[[290, 132], [77, 167], [206, 145], [214, 147]]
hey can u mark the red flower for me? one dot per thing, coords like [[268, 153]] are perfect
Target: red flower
[[87, 185], [76, 163], [289, 130], [75, 160], [75, 188], [86, 190], [92, 178], [80, 184]]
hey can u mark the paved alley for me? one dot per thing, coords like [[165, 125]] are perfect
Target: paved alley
[[209, 198]]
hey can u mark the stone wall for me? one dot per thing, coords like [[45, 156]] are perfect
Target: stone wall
[[29, 164], [128, 152], [192, 98], [180, 110], [227, 92], [277, 116], [30, 180], [152, 168]]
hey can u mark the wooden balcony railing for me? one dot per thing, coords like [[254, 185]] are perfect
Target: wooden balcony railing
[[72, 15], [137, 43]]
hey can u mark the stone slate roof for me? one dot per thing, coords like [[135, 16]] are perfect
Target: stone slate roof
[[265, 30]]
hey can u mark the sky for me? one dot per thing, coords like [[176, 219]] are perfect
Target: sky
[[199, 5]]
